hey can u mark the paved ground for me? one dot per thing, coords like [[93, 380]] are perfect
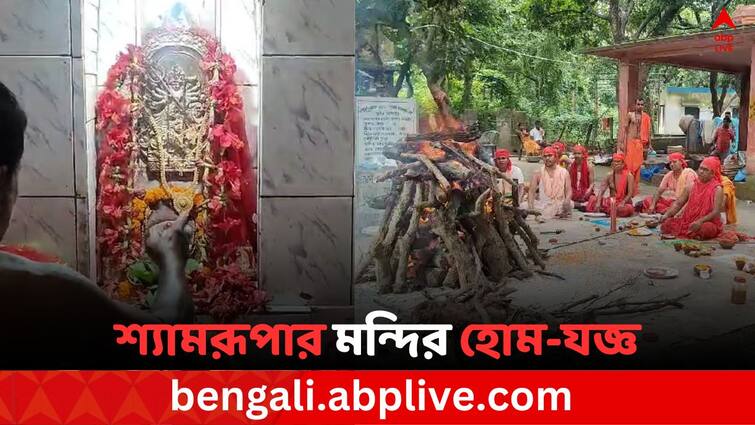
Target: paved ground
[[595, 266]]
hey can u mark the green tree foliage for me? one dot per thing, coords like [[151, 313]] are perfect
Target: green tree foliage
[[487, 56]]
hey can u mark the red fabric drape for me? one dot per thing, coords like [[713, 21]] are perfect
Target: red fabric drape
[[699, 204]]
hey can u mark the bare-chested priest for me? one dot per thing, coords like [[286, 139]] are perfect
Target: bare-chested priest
[[550, 189], [636, 141], [619, 183]]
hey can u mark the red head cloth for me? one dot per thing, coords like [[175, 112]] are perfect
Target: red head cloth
[[676, 156], [714, 165], [579, 148], [549, 151], [504, 153], [619, 157], [559, 147], [583, 171]]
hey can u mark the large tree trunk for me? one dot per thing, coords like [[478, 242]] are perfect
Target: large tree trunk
[[717, 99], [441, 100], [466, 99]]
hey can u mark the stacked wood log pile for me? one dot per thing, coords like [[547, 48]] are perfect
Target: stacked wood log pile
[[446, 222]]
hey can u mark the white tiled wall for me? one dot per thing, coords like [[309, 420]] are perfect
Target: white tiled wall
[[40, 60], [307, 151]]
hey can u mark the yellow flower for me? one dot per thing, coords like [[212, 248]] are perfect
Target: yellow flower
[[126, 290], [155, 195], [138, 209]]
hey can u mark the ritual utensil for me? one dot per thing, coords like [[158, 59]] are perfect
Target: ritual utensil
[[740, 262], [703, 271], [639, 232], [727, 244], [739, 290], [661, 273]]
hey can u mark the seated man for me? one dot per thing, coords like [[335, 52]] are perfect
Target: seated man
[[676, 181], [620, 183], [503, 163], [50, 308], [700, 217], [550, 189], [563, 158], [529, 146], [581, 173]]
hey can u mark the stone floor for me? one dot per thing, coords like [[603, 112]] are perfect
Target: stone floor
[[597, 265]]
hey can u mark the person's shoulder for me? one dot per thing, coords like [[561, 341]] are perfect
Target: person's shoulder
[[22, 268]]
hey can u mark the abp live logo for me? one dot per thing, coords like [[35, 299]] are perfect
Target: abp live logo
[[724, 41]]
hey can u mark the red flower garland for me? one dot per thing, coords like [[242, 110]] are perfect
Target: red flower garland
[[222, 288]]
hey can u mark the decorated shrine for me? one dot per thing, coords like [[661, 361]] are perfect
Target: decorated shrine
[[171, 134]]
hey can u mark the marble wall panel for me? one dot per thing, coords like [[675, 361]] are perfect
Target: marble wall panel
[[305, 249], [116, 30], [307, 145], [43, 87], [45, 224], [309, 27], [77, 28], [35, 27], [239, 34]]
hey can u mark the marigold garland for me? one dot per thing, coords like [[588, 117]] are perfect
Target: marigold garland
[[224, 286]]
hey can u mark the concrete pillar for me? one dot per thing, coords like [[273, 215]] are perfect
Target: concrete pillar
[[629, 73], [744, 108], [307, 152]]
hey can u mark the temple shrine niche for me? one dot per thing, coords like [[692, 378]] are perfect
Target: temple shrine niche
[[171, 135]]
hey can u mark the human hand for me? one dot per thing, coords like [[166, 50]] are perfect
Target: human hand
[[694, 227], [651, 210], [168, 237]]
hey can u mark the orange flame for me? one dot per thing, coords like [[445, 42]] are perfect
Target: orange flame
[[433, 153], [425, 217], [439, 123], [469, 148], [411, 272], [488, 207]]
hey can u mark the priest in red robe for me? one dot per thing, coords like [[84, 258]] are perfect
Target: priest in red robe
[[700, 217], [679, 179], [619, 183], [581, 174]]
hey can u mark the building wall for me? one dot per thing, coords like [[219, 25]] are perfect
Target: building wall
[[674, 104], [307, 151], [41, 61]]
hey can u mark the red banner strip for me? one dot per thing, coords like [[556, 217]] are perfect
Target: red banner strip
[[416, 397]]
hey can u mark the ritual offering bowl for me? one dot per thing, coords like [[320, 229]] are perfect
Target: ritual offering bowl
[[703, 271], [651, 224], [727, 243], [740, 262]]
